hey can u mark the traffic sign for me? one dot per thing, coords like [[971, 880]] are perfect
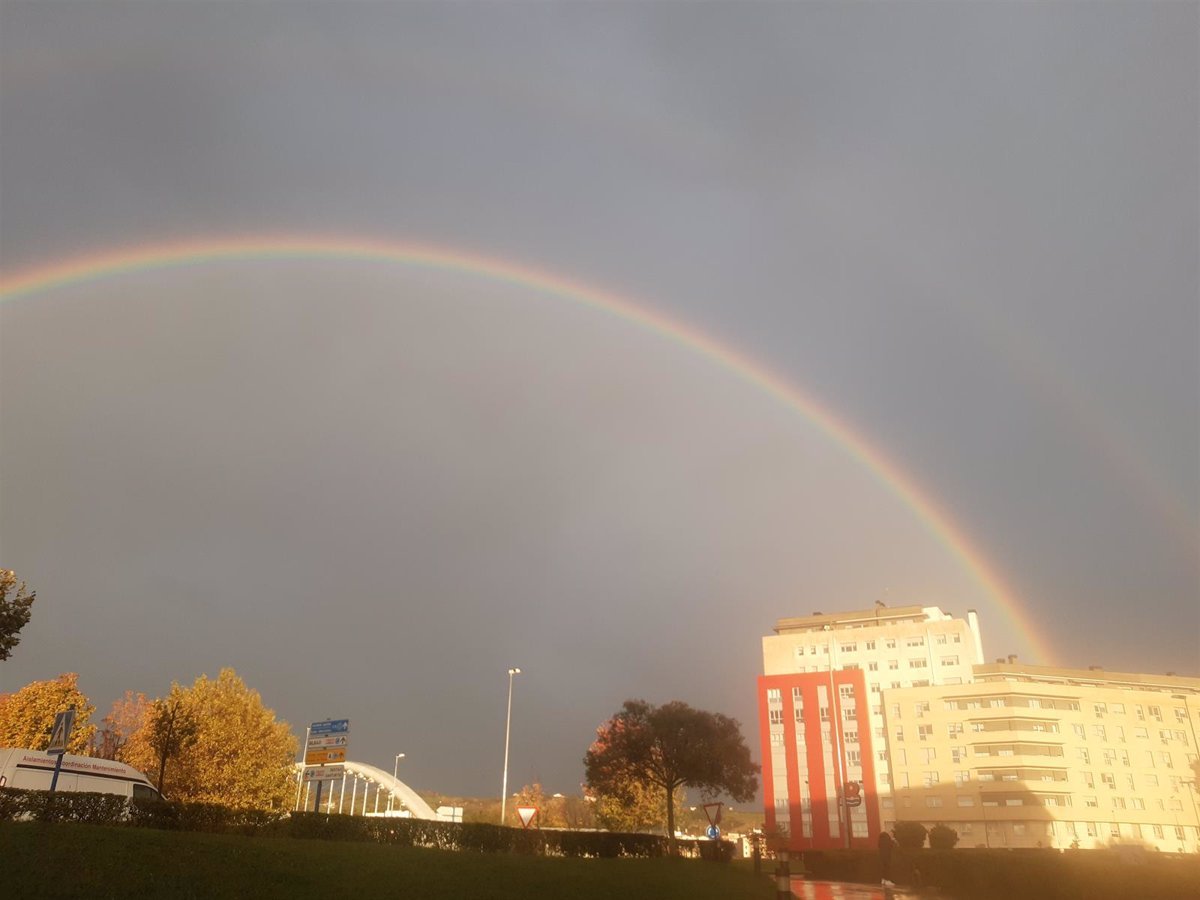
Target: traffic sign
[[325, 756], [713, 811], [527, 814], [853, 794], [713, 832], [60, 735], [329, 740], [330, 726], [324, 773]]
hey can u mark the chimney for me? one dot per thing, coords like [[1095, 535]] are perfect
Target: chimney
[[1012, 658], [817, 612], [999, 659]]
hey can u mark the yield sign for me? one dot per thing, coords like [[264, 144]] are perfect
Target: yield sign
[[527, 814], [713, 811]]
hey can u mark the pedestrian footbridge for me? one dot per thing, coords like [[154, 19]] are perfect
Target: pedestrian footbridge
[[362, 790]]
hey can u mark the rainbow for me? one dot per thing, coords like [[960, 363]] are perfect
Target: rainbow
[[112, 263]]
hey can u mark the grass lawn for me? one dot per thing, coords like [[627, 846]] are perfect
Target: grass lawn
[[68, 860]]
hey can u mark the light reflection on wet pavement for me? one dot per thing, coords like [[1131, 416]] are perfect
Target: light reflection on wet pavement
[[841, 890]]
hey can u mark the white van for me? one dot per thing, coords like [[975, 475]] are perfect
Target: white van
[[34, 769]]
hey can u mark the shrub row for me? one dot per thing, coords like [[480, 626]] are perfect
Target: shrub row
[[1001, 873], [108, 809]]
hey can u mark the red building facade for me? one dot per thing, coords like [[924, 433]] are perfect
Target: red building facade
[[817, 751]]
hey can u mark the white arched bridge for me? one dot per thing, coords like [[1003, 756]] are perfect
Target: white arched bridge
[[366, 790]]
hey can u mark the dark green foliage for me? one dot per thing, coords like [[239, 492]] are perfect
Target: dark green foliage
[[14, 611], [942, 837], [1001, 874], [478, 837], [910, 835]]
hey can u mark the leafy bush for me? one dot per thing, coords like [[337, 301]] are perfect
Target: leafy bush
[[910, 835], [942, 837]]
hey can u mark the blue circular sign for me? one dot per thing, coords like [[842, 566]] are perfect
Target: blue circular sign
[[714, 832]]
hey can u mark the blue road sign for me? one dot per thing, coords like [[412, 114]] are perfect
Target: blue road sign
[[331, 726], [714, 832]]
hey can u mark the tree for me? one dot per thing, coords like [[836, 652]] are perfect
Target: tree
[[942, 837], [27, 717], [670, 747], [910, 835], [14, 610], [225, 746], [122, 722]]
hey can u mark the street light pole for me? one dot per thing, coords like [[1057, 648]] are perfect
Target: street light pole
[[507, 731], [395, 770]]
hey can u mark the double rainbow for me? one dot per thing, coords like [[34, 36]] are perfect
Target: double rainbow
[[112, 263]]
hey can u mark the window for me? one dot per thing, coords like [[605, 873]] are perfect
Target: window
[[890, 644], [850, 714], [1110, 757], [896, 710], [1118, 709], [1091, 801], [921, 663], [893, 663], [915, 642], [1118, 802], [964, 800], [773, 695], [949, 660], [869, 645], [930, 778], [846, 691], [953, 730], [1156, 713], [929, 754], [1018, 827], [873, 667], [1124, 757], [1109, 780], [961, 777], [1080, 732], [933, 801], [1158, 830], [1098, 730], [1129, 781], [1120, 734], [1088, 780], [853, 757], [875, 689], [851, 737], [900, 734], [881, 756], [1141, 716], [1165, 758], [920, 709], [1084, 756], [1138, 803], [958, 638], [1100, 709], [1180, 714], [924, 732], [1141, 732], [1152, 781], [849, 648], [957, 754]]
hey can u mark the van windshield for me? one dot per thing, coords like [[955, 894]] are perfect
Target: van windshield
[[145, 792]]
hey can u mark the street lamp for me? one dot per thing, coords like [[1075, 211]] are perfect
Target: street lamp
[[507, 730], [395, 769]]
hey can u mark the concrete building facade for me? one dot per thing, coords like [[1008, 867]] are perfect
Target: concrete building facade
[[872, 717]]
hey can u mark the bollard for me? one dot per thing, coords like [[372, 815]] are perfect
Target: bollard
[[783, 876]]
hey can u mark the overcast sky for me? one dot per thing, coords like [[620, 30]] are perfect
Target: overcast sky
[[970, 230]]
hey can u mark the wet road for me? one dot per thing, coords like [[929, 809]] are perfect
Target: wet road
[[840, 890]]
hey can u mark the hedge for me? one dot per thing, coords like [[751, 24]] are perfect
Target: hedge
[[1003, 873], [109, 809]]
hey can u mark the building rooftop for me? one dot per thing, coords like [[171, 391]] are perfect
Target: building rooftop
[[879, 615], [1096, 676]]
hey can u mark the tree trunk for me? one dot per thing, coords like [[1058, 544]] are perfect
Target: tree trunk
[[670, 821]]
